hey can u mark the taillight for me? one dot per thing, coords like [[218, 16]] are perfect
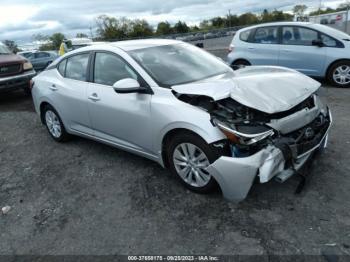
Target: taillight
[[231, 48]]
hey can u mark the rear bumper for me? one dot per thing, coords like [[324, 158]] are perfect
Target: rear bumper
[[12, 83], [235, 176]]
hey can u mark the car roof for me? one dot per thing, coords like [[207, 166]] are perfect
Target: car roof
[[128, 45], [325, 29], [280, 24], [140, 44]]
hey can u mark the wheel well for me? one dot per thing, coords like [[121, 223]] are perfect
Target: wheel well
[[241, 59], [333, 63], [167, 139], [42, 106]]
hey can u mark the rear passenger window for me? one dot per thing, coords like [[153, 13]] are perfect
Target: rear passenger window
[[62, 67], [41, 55], [298, 36], [77, 67], [244, 36], [266, 35]]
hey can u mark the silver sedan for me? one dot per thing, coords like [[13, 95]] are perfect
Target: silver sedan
[[180, 106]]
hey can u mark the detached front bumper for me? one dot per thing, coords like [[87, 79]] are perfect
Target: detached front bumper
[[235, 176], [12, 83]]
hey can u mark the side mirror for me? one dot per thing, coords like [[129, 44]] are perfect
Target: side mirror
[[128, 85], [318, 43]]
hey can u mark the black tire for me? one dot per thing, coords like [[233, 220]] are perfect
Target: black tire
[[212, 155], [239, 64], [332, 71], [63, 136]]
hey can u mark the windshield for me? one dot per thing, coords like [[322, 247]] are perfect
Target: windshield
[[4, 50], [178, 64]]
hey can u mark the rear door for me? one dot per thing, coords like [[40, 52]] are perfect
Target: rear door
[[263, 46], [69, 93], [298, 52]]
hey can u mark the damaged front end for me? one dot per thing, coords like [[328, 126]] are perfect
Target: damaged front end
[[270, 146]]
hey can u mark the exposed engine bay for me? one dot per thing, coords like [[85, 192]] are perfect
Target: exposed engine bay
[[248, 130]]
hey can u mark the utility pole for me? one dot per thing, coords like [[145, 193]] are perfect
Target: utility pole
[[91, 34], [229, 17], [319, 8]]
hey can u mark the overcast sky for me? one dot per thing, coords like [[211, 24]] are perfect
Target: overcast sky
[[20, 19]]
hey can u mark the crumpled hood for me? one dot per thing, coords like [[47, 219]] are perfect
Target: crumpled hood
[[267, 89]]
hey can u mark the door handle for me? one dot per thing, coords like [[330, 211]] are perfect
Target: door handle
[[53, 87], [94, 97], [251, 48]]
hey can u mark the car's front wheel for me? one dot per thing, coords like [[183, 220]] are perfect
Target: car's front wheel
[[339, 74], [54, 124], [189, 156], [239, 64]]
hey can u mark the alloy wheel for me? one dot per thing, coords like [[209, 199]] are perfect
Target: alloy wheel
[[341, 75], [53, 124], [190, 163]]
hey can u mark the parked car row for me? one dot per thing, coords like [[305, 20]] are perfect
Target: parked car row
[[313, 49]]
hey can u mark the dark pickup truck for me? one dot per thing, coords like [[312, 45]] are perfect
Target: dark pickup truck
[[15, 71]]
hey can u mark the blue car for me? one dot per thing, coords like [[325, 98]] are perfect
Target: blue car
[[40, 59], [313, 49]]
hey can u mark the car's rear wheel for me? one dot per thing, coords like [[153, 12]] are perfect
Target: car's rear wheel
[[54, 124], [189, 156], [339, 74], [239, 64]]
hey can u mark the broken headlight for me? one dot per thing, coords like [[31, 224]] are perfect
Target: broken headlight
[[240, 138]]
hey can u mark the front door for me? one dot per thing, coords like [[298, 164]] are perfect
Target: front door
[[298, 52], [123, 119]]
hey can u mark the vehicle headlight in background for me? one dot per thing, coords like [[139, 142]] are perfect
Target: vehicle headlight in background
[[244, 139], [27, 66]]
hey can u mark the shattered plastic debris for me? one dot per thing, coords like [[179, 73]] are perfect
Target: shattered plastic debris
[[5, 210]]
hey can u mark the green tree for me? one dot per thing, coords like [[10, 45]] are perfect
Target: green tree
[[164, 28], [111, 28], [266, 16], [181, 27], [204, 25], [232, 20], [248, 19], [218, 22], [81, 35], [299, 10], [140, 28], [56, 40]]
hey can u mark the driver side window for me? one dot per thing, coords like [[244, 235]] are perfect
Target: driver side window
[[109, 69]]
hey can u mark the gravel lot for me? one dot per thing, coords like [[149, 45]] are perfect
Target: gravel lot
[[87, 198]]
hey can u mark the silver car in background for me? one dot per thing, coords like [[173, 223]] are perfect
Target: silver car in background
[[180, 106], [312, 49]]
